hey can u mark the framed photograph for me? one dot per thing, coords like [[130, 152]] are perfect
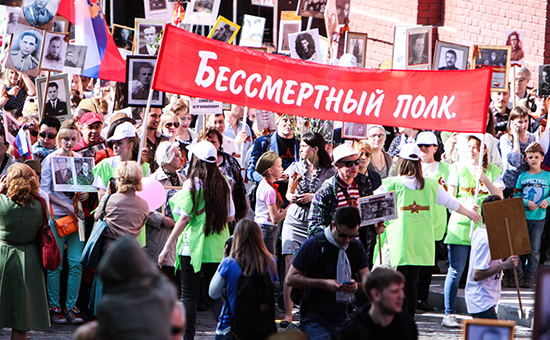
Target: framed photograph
[[148, 33], [357, 45], [419, 48], [265, 120], [61, 25], [58, 91], [252, 34], [377, 208], [475, 329], [497, 58], [515, 39], [124, 39], [331, 21], [11, 127], [158, 10], [305, 45], [224, 30], [201, 12], [170, 192], [12, 19], [91, 150], [25, 50], [355, 130], [399, 52], [72, 174], [312, 8], [544, 80], [342, 8], [54, 52], [324, 45], [39, 13], [139, 74], [541, 327], [287, 27], [450, 56], [75, 59]]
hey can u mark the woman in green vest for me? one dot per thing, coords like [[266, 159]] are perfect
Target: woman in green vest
[[462, 183], [201, 210], [432, 167], [411, 236]]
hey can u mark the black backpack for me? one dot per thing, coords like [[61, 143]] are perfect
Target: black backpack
[[254, 316]]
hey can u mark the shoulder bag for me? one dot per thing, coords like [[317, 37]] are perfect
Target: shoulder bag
[[68, 224], [47, 245], [92, 250]]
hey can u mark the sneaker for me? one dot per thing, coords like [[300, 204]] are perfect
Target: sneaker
[[527, 283], [449, 321], [72, 315], [56, 316], [424, 306]]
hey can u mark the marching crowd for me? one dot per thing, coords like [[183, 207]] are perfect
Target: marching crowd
[[253, 207]]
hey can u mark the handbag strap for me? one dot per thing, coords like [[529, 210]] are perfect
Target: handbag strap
[[103, 209], [45, 211]]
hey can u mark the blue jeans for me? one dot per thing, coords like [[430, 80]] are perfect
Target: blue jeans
[[74, 252], [270, 236], [536, 227], [488, 314], [314, 330], [458, 255]]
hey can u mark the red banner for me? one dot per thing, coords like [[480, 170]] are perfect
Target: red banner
[[436, 100]]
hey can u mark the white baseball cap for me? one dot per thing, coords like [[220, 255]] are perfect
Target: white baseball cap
[[204, 150], [426, 138], [342, 151], [348, 60], [410, 151], [122, 131]]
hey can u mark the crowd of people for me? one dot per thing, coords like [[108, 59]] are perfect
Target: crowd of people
[[276, 205]]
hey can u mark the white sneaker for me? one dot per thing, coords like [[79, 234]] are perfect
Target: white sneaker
[[449, 321]]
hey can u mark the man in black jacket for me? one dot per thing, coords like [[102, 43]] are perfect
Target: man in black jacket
[[383, 318]]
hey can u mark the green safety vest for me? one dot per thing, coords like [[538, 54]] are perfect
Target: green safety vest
[[410, 237], [440, 218], [458, 229]]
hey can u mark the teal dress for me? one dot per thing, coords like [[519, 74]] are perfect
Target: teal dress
[[23, 302]]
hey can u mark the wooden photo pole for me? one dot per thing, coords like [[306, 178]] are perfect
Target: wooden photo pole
[[43, 111], [515, 270], [143, 143], [380, 248]]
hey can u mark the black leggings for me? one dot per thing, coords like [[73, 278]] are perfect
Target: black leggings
[[190, 286], [411, 276]]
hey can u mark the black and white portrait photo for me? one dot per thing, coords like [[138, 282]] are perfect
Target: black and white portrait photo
[[139, 75], [55, 50], [84, 175], [75, 58], [488, 329], [147, 38], [357, 45], [253, 31], [312, 8], [202, 12], [497, 58], [155, 5], [63, 170], [57, 93], [377, 208], [450, 56], [418, 49], [286, 28], [123, 37], [342, 8], [60, 26], [13, 17], [515, 39], [305, 45], [39, 13], [224, 30], [355, 130], [25, 50], [544, 80]]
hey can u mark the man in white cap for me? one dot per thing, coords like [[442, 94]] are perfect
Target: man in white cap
[[343, 190]]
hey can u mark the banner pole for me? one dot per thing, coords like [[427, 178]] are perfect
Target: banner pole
[[235, 11], [275, 26], [144, 124], [346, 42], [43, 111], [309, 22], [514, 86], [245, 115], [480, 165]]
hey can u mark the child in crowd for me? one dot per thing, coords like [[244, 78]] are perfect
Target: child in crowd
[[483, 284], [533, 185], [268, 200]]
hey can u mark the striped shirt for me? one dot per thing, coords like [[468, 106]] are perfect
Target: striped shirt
[[352, 190]]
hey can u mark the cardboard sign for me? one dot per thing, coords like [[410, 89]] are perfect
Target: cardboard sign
[[199, 106], [495, 215]]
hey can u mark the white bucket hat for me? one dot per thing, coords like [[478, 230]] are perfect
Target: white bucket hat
[[124, 130], [343, 151], [410, 151], [204, 150]]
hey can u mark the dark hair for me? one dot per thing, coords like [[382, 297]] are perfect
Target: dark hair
[[490, 123], [53, 84], [212, 132], [381, 278], [248, 249], [51, 121], [509, 39], [411, 168], [451, 52], [348, 216], [517, 112], [485, 164], [315, 139], [215, 193], [490, 198], [300, 49], [29, 34], [55, 38]]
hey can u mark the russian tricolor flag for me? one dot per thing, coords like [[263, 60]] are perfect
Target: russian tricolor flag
[[21, 145], [103, 60]]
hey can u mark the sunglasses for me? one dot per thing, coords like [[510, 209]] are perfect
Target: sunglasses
[[349, 164], [344, 235], [170, 124], [424, 145], [49, 135], [33, 133], [365, 154]]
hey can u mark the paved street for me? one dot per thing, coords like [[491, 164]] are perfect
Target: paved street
[[428, 325]]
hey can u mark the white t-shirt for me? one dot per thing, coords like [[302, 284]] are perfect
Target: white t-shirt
[[265, 195], [484, 294]]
